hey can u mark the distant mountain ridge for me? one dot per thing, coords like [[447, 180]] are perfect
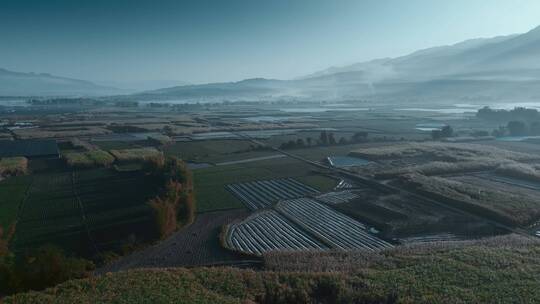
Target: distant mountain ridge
[[500, 68], [43, 84]]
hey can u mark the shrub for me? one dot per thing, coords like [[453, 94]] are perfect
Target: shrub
[[13, 166], [47, 266]]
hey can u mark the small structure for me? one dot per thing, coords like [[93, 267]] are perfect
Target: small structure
[[31, 148]]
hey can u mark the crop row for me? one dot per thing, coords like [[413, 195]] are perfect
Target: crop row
[[333, 228], [334, 198], [268, 231], [263, 194]]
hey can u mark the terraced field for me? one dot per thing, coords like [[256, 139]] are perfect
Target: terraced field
[[267, 231], [263, 194], [333, 228]]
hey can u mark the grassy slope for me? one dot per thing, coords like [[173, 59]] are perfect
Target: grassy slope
[[501, 270]]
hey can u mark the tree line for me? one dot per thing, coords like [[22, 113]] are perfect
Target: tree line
[[325, 139]]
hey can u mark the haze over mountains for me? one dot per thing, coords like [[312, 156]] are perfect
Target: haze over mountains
[[33, 84], [501, 68]]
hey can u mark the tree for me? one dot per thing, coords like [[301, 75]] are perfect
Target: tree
[[517, 128], [360, 136], [324, 138], [309, 141], [331, 139], [446, 131], [342, 141], [300, 143]]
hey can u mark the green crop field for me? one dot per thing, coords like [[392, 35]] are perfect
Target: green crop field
[[210, 182], [50, 214], [113, 203], [208, 150], [12, 192]]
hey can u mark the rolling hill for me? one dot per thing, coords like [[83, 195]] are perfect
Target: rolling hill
[[32, 84]]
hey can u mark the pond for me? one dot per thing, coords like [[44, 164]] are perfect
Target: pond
[[428, 127], [320, 109], [346, 161]]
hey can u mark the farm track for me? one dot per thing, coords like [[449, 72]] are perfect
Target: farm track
[[195, 245]]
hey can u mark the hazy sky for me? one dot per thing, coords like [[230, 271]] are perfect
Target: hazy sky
[[205, 41]]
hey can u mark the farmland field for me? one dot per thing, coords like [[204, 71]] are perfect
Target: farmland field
[[338, 197], [85, 211], [197, 244], [268, 231], [213, 150], [115, 205], [52, 214], [12, 193], [264, 193], [210, 183], [331, 227]]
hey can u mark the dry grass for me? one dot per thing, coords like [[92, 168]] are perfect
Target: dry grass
[[137, 155], [357, 261], [13, 166], [440, 167], [498, 270], [89, 159], [524, 171], [513, 208], [442, 152]]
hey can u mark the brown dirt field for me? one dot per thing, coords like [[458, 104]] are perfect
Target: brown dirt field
[[195, 245]]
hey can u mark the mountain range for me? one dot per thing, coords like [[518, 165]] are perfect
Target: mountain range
[[505, 68], [33, 84]]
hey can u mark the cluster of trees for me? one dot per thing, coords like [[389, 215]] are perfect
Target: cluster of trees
[[126, 104], [37, 269], [444, 132], [518, 113], [65, 101], [174, 206], [325, 139], [518, 128]]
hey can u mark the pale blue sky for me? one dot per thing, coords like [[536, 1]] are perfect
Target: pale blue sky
[[207, 41]]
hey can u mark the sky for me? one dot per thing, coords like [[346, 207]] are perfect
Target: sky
[[228, 40]]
